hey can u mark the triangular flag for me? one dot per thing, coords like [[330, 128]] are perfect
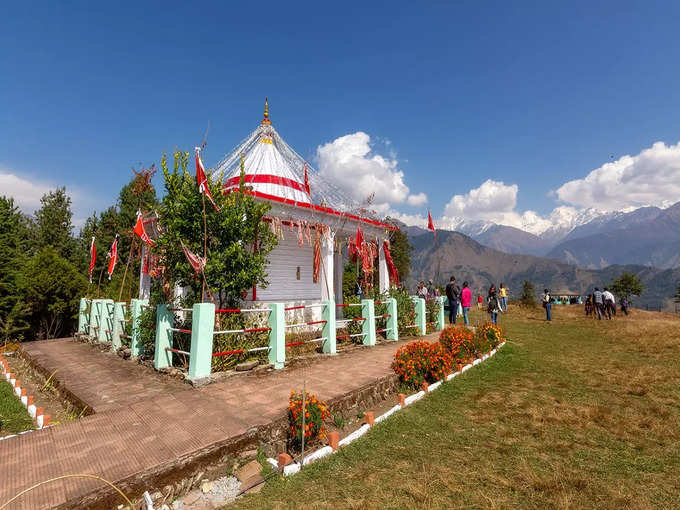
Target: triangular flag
[[139, 230], [202, 180], [198, 263], [113, 257], [93, 257], [430, 223]]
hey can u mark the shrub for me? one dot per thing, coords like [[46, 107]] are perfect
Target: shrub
[[431, 314], [489, 336], [421, 361], [460, 342], [315, 412]]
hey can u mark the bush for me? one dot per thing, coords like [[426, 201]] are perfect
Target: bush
[[488, 337], [421, 361], [460, 342], [431, 314], [315, 413]]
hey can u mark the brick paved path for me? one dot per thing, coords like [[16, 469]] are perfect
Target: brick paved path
[[143, 421]]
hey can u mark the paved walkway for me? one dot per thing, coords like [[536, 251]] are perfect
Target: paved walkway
[[143, 421]]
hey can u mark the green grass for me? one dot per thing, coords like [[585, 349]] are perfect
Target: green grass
[[13, 415], [577, 414]]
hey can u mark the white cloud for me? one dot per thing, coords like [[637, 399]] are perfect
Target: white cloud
[[650, 178], [417, 200], [492, 201], [350, 163], [26, 193]]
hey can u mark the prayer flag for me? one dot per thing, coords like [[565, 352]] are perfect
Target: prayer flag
[[139, 230], [202, 180], [93, 257], [113, 257], [198, 263]]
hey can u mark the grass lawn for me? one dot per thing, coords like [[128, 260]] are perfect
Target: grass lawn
[[576, 414], [14, 417]]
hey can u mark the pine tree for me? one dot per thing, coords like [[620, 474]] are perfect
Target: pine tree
[[53, 223], [13, 247], [528, 297]]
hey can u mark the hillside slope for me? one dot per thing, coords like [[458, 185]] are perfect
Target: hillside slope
[[458, 255]]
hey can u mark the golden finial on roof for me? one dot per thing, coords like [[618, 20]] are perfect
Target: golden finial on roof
[[266, 111]]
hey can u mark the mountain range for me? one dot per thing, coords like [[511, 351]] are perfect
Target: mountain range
[[646, 236], [453, 253]]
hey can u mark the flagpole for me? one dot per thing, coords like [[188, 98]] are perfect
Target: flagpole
[[205, 242], [122, 285]]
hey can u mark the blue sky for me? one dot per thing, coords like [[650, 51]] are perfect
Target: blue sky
[[533, 94]]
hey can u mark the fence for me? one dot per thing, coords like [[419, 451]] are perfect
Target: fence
[[107, 321]]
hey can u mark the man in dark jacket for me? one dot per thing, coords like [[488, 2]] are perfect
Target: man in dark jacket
[[453, 295]]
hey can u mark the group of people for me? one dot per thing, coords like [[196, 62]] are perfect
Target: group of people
[[603, 304], [496, 301]]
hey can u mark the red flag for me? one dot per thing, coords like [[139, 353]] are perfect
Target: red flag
[[113, 256], [139, 230], [202, 180], [359, 241], [430, 223], [93, 257], [198, 263], [394, 275]]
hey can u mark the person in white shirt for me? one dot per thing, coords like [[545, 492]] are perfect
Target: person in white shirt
[[609, 303]]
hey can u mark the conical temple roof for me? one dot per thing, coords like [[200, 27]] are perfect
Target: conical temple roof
[[274, 170]]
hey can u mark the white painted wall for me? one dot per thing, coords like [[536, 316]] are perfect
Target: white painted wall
[[281, 272]]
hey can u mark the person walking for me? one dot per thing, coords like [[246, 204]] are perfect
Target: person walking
[[432, 291], [453, 295], [609, 303], [493, 304], [598, 302], [624, 306], [503, 294], [466, 302], [547, 304]]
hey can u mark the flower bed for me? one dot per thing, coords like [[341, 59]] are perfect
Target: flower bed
[[420, 361], [315, 412]]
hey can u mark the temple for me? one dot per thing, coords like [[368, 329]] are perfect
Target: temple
[[312, 218]]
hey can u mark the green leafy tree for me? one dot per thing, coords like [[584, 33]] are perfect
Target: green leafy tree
[[627, 285], [53, 223], [14, 242], [401, 249], [234, 263], [528, 297], [53, 287]]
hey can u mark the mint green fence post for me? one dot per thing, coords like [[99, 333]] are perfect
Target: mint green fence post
[[165, 319], [329, 331], [440, 313], [421, 315], [368, 327], [118, 325], [82, 315], [94, 318], [202, 330], [105, 320], [136, 308], [277, 335], [392, 325]]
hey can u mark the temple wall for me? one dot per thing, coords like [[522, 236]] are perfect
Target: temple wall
[[283, 262]]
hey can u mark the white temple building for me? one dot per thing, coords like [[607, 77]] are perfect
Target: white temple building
[[302, 201]]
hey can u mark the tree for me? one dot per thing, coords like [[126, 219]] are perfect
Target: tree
[[53, 287], [53, 223], [627, 285], [238, 240], [13, 247], [528, 297], [401, 249]]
